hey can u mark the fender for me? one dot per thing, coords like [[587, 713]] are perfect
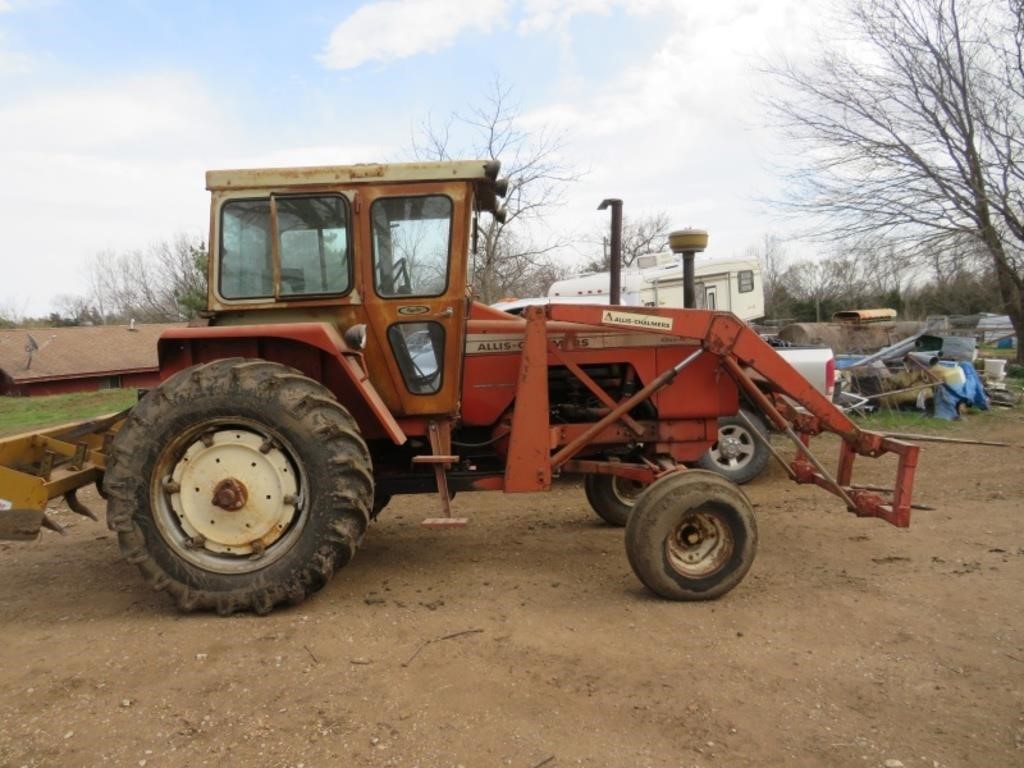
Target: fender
[[315, 349]]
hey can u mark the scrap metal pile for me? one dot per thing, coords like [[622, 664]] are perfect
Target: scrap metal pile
[[932, 366]]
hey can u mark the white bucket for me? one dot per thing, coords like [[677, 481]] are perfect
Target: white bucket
[[995, 368]]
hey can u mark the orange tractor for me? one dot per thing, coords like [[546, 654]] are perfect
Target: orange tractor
[[344, 362]]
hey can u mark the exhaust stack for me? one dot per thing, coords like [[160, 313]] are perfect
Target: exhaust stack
[[688, 243]]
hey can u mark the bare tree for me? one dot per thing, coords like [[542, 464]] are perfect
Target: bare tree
[[913, 130], [641, 236], [509, 259], [771, 254], [72, 309], [820, 282], [165, 283], [11, 315]]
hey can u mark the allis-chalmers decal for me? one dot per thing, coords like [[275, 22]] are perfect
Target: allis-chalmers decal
[[635, 320], [487, 343], [413, 309]]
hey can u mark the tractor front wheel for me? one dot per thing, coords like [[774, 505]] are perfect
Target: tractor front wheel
[[691, 536], [239, 485], [612, 497]]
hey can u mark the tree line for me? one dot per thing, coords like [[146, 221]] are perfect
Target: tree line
[[163, 283], [872, 275]]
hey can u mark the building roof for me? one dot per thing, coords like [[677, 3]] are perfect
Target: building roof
[[76, 352]]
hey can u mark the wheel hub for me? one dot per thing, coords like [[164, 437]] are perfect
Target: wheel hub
[[699, 545], [730, 447], [734, 447], [230, 494], [233, 493]]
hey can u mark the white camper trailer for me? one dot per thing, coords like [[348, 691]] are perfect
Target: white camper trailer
[[733, 285]]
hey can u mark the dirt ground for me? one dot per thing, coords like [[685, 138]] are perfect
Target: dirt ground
[[850, 643]]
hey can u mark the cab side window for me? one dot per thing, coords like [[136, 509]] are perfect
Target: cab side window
[[313, 243], [411, 243]]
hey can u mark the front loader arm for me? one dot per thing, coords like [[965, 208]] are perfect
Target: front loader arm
[[741, 351]]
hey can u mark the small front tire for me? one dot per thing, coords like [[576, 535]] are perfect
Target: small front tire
[[691, 536]]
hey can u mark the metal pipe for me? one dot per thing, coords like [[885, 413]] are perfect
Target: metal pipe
[[806, 451], [689, 294], [615, 258], [688, 243]]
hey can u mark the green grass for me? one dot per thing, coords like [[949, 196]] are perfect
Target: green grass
[[917, 421], [21, 414], [886, 420]]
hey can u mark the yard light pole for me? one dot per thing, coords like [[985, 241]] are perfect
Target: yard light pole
[[615, 270], [688, 243]]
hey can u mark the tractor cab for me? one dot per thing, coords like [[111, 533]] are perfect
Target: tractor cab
[[378, 251]]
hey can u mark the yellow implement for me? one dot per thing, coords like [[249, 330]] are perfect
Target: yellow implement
[[36, 467]]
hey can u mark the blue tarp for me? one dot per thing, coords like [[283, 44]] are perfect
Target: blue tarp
[[971, 392]]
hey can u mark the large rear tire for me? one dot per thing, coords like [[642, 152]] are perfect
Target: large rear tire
[[691, 536], [239, 485]]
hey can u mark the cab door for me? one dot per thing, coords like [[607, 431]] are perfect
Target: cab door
[[416, 237]]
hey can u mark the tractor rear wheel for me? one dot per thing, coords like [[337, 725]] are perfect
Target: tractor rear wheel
[[691, 536], [612, 497], [239, 485]]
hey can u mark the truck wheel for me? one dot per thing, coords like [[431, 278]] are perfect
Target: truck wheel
[[612, 497], [738, 454], [692, 536], [239, 485]]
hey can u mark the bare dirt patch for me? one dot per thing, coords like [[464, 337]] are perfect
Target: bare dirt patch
[[851, 643]]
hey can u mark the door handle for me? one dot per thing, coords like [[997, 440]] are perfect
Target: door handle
[[446, 312]]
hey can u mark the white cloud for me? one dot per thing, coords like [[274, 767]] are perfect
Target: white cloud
[[144, 110], [541, 15], [396, 29], [117, 165], [681, 129], [324, 154]]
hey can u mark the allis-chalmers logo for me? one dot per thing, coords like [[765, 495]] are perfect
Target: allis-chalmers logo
[[636, 320]]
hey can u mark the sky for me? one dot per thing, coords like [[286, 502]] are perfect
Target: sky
[[111, 112]]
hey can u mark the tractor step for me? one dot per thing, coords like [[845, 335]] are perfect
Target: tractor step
[[445, 522]]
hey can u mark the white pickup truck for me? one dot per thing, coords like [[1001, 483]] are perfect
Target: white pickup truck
[[741, 456], [738, 455]]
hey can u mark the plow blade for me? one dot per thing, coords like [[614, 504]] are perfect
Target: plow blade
[[36, 467]]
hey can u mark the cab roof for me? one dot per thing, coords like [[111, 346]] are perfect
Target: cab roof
[[483, 172], [368, 173]]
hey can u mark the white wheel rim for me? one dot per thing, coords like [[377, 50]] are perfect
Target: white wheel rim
[[267, 477], [263, 483]]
